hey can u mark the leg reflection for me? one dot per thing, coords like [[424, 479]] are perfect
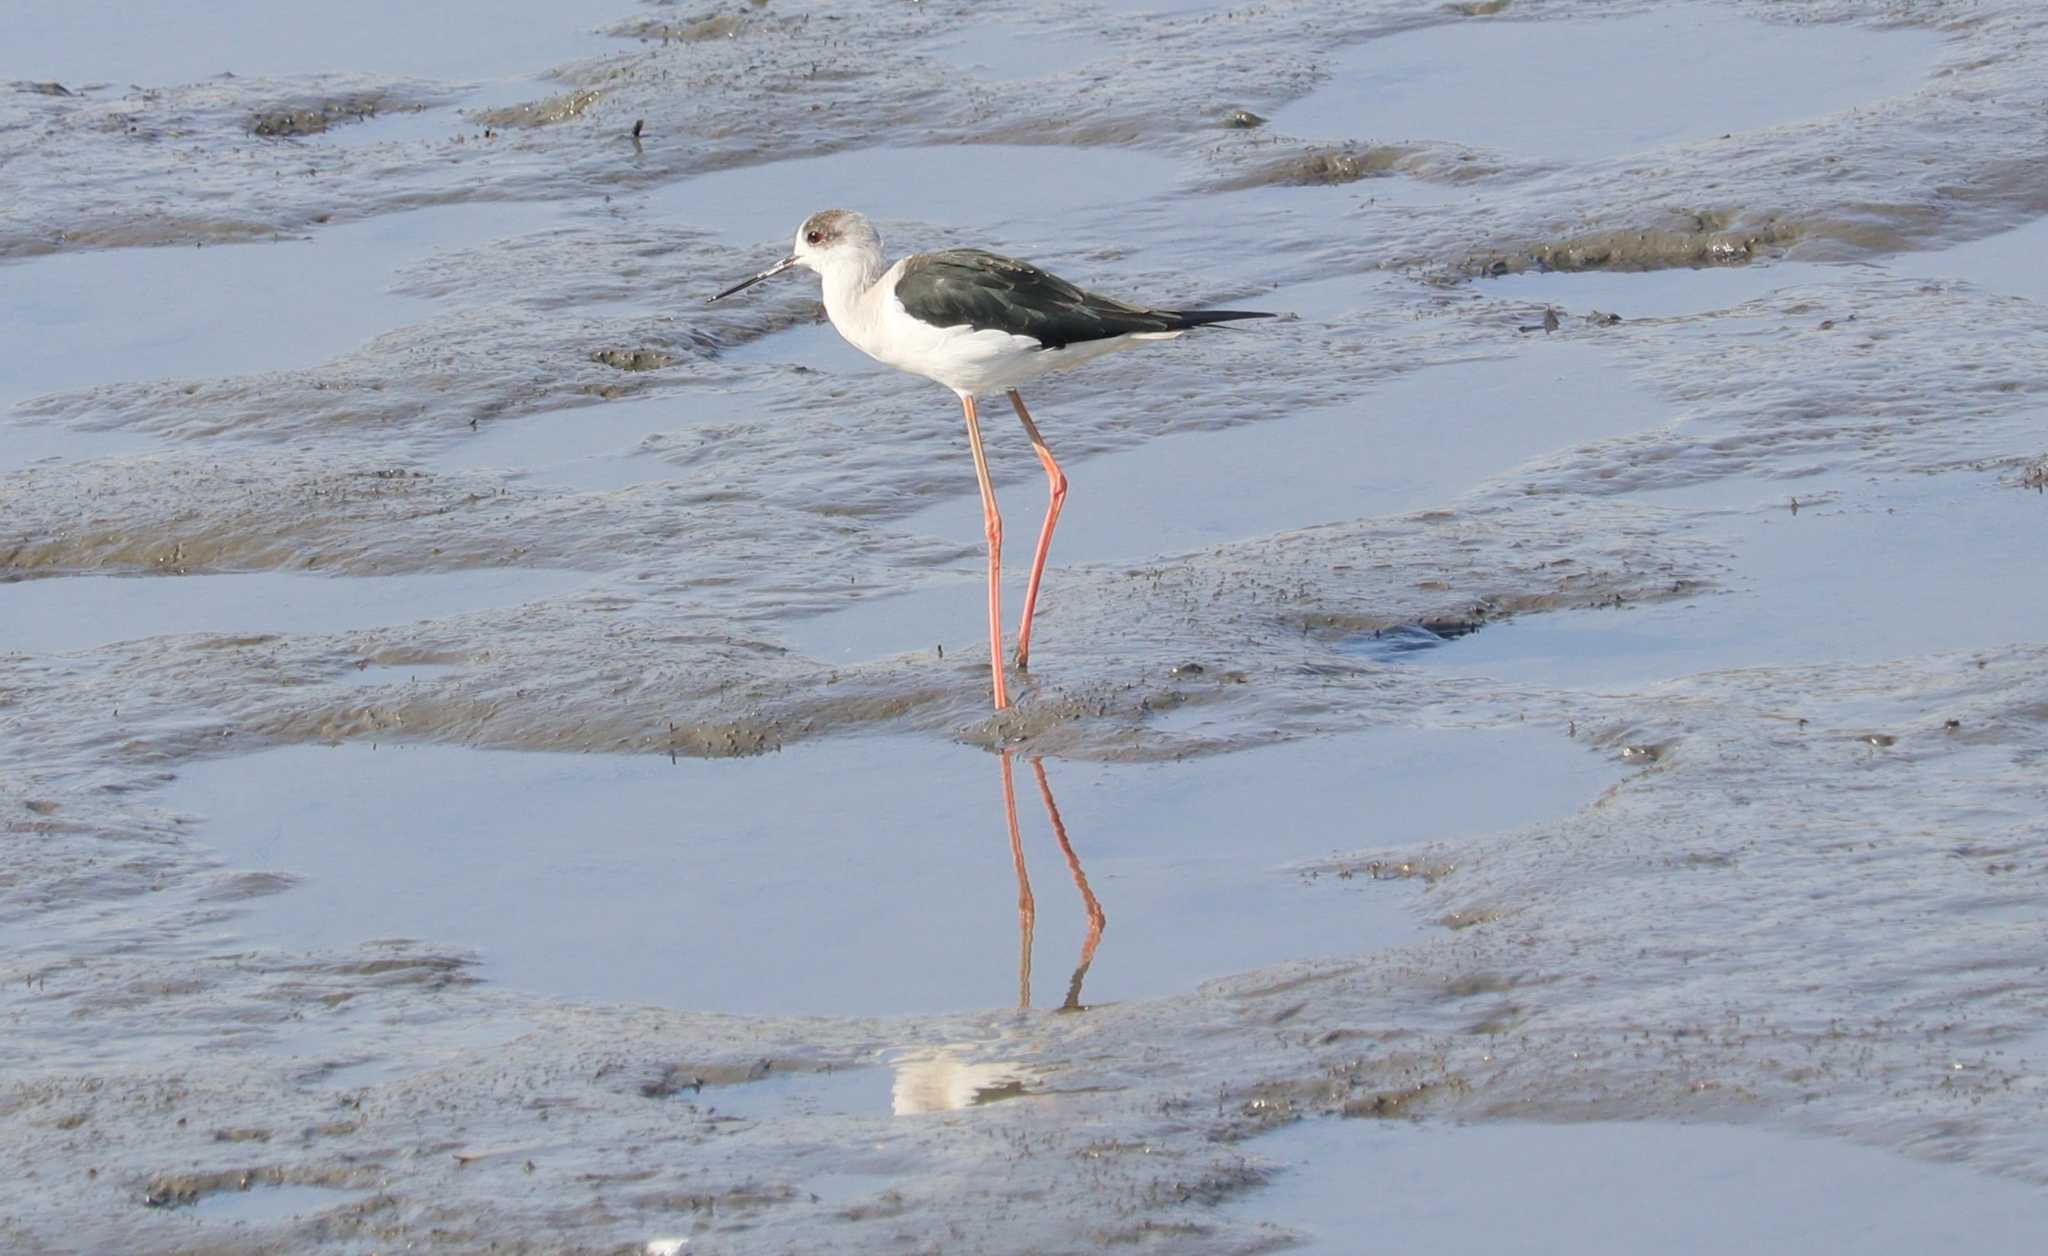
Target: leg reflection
[[1095, 917], [1027, 912], [1027, 909]]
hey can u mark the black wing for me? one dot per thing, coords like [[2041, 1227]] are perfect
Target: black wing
[[986, 290]]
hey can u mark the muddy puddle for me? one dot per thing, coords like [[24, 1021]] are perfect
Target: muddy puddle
[[1812, 585], [196, 313], [1637, 82], [594, 448], [635, 876], [111, 43], [2002, 263], [1670, 1188], [492, 746], [976, 186], [266, 1204], [66, 614]]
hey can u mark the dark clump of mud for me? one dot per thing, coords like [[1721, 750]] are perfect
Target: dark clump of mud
[[633, 359], [296, 120], [1704, 240], [687, 31], [562, 108], [1323, 167]]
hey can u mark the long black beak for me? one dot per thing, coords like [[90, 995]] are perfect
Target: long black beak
[[776, 269]]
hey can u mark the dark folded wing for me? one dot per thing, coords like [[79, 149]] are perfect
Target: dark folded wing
[[985, 290]]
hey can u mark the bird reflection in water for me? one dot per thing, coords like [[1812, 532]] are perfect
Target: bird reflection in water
[[1027, 908], [948, 1078]]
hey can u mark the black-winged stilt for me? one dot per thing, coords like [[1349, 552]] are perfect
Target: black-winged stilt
[[978, 323]]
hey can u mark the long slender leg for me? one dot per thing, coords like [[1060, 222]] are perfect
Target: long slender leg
[[1027, 908], [993, 524], [1057, 481], [1096, 920]]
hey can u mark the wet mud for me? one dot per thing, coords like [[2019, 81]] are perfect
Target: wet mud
[[1683, 445]]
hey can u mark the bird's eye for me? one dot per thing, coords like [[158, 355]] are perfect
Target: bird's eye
[[815, 237]]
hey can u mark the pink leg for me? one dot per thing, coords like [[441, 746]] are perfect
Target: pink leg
[[1057, 481], [1096, 920], [993, 525], [1027, 908]]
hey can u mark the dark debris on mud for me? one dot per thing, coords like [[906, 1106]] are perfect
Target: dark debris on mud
[[288, 121], [1320, 168], [1704, 241]]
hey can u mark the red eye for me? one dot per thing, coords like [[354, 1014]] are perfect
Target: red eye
[[814, 237]]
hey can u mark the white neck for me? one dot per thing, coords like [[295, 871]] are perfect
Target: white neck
[[847, 278]]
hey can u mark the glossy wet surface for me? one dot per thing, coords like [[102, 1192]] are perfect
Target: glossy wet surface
[[1602, 88], [98, 42], [196, 313], [592, 448], [66, 614], [2001, 263], [677, 884], [260, 1204], [1666, 1188], [1813, 586], [947, 184]]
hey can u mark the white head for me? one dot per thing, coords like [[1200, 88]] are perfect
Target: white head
[[831, 242]]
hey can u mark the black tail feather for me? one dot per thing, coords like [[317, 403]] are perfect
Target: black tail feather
[[1184, 319]]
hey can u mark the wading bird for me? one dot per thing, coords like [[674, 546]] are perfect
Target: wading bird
[[978, 323]]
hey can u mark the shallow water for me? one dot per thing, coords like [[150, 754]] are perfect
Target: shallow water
[[260, 1204], [2004, 263], [854, 892], [156, 46], [66, 614], [24, 445], [1604, 87], [608, 446], [82, 319], [1813, 587], [972, 188], [1664, 1188]]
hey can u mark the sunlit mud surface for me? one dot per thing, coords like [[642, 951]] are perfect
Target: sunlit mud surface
[[495, 753]]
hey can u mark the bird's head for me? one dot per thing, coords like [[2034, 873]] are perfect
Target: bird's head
[[829, 240]]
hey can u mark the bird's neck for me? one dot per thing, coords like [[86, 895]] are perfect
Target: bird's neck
[[847, 284]]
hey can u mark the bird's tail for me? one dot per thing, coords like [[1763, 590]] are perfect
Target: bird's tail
[[1184, 319]]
